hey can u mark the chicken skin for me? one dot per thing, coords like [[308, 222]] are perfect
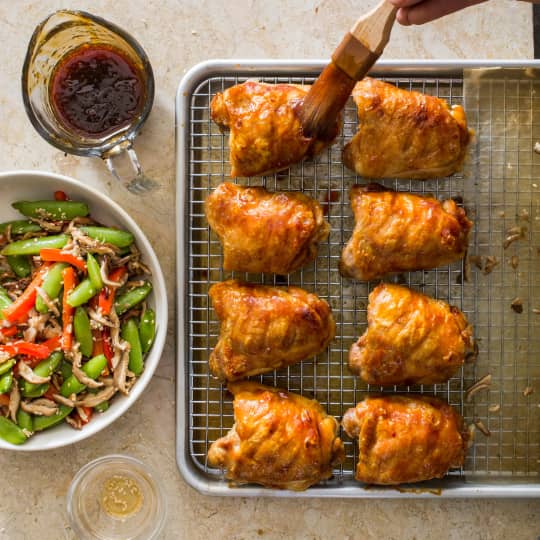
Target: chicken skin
[[411, 339], [265, 232], [400, 232], [265, 131], [405, 439], [405, 134], [265, 328], [279, 439]]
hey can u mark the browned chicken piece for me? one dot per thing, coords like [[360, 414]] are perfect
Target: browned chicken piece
[[265, 328], [399, 232], [405, 134], [404, 439], [265, 232], [265, 132], [279, 439], [411, 339]]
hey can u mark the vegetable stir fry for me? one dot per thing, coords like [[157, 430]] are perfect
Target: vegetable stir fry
[[74, 325]]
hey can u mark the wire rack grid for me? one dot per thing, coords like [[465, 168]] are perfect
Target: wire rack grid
[[497, 190]]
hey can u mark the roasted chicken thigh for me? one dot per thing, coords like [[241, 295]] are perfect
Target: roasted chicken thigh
[[411, 339], [265, 232], [405, 438], [265, 328], [279, 439], [399, 232], [405, 134], [265, 131]]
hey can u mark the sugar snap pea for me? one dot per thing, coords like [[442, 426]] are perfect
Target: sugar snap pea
[[130, 333], [131, 298], [94, 273], [57, 210], [44, 369], [6, 366], [102, 407], [32, 246], [83, 331], [51, 286], [5, 301], [25, 420], [6, 382], [92, 368], [11, 432], [81, 293], [116, 237], [22, 226], [65, 369], [20, 264], [44, 422], [147, 329]]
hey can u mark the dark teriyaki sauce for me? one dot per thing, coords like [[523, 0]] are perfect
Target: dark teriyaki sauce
[[95, 91]]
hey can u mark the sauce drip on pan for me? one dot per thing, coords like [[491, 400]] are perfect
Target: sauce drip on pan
[[95, 90]]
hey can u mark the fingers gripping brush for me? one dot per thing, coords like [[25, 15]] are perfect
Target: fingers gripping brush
[[353, 58]]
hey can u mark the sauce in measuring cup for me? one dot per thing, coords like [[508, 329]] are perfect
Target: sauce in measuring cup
[[95, 90]]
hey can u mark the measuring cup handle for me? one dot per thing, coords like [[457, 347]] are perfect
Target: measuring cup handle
[[136, 181]]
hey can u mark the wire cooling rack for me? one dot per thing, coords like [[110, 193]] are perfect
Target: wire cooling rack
[[498, 190]]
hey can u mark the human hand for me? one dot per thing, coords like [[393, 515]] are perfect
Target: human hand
[[422, 11]]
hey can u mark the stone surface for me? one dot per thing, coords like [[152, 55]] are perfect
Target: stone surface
[[176, 35]]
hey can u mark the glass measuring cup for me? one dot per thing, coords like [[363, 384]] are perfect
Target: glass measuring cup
[[59, 35]]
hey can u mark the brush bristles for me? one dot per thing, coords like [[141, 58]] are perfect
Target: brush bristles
[[324, 102]]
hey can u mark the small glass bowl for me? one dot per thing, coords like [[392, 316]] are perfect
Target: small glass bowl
[[90, 520]]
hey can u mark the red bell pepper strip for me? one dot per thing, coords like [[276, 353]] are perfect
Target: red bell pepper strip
[[18, 311], [106, 297], [70, 282], [107, 349], [8, 332], [98, 343], [4, 399], [60, 196], [53, 343], [57, 255], [35, 350]]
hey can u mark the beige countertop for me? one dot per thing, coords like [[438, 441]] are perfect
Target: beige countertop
[[176, 35]]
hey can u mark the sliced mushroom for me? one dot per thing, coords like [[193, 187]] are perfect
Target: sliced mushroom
[[120, 373], [104, 271], [74, 422], [14, 401], [40, 407], [28, 374], [99, 318], [92, 400], [83, 378], [63, 400]]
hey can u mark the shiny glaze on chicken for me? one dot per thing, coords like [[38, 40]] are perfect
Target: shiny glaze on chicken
[[265, 328], [411, 339], [279, 439]]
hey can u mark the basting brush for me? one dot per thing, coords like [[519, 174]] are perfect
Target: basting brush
[[357, 52]]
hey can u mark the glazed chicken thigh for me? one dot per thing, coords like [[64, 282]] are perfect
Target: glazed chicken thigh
[[411, 339], [265, 132], [265, 328], [405, 134], [265, 232], [399, 232], [405, 438], [279, 439]]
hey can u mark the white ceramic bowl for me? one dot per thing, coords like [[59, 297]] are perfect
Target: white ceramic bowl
[[34, 185]]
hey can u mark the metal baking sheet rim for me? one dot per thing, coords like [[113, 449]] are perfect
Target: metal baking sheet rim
[[195, 478]]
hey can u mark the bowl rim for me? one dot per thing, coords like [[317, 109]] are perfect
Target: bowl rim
[[161, 309]]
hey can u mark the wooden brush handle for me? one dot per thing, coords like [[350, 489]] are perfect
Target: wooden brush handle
[[363, 45]]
